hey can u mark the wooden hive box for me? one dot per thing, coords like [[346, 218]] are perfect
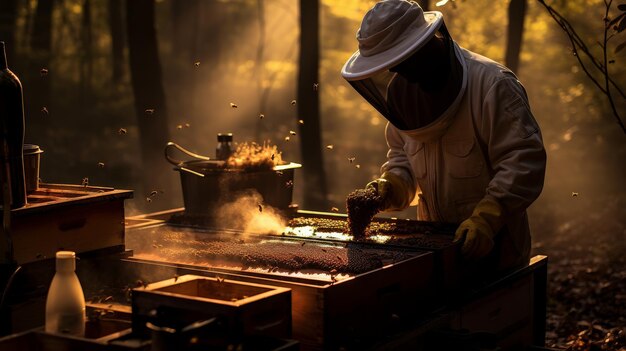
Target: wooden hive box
[[243, 308], [66, 217]]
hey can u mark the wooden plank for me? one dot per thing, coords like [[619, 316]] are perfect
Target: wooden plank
[[64, 195], [184, 300], [76, 228]]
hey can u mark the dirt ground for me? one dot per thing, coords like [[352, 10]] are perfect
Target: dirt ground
[[585, 244]]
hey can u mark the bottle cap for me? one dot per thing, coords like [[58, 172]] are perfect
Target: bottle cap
[[224, 137], [66, 261]]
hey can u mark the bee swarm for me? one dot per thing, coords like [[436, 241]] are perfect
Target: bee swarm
[[362, 205]]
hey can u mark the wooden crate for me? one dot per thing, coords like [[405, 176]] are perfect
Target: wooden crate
[[329, 315], [241, 308], [66, 217]]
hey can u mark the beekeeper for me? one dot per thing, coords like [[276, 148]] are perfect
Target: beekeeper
[[463, 143]]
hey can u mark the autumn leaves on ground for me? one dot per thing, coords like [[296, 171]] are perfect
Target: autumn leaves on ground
[[585, 244]]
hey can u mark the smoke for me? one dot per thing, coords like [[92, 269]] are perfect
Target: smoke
[[248, 214]]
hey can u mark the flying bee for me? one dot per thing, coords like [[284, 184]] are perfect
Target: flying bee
[[44, 111], [293, 102], [180, 126], [260, 208], [287, 138], [357, 166], [233, 105], [43, 72], [149, 111], [101, 164], [301, 121], [85, 182], [334, 209], [292, 132], [289, 183], [330, 146], [315, 86], [261, 116], [197, 63], [351, 159], [122, 131]]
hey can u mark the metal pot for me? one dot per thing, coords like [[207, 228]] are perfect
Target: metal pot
[[207, 184]]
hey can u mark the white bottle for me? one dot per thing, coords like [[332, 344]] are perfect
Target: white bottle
[[65, 305]]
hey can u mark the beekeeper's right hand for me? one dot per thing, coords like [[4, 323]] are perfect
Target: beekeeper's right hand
[[393, 191]]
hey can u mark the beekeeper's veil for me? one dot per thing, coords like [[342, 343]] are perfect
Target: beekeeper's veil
[[390, 32]]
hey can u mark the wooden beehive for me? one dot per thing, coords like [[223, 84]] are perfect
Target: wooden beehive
[[66, 217], [242, 308]]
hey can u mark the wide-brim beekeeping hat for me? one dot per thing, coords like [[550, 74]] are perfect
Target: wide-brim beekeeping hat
[[390, 32]]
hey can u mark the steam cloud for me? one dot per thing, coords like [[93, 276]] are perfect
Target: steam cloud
[[248, 214]]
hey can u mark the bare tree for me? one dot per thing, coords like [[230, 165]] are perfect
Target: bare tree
[[591, 64], [308, 106]]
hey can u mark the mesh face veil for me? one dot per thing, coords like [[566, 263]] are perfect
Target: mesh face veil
[[376, 88]]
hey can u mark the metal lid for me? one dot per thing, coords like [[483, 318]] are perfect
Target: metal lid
[[224, 137]]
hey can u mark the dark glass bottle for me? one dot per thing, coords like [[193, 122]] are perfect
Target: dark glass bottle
[[12, 132], [224, 146]]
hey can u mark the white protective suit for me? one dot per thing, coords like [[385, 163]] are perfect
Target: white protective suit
[[485, 144]]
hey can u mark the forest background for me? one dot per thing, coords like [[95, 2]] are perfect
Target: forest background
[[107, 83]]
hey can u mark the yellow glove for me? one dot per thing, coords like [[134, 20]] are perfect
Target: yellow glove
[[392, 189], [480, 228]]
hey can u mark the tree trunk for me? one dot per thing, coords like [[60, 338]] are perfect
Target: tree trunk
[[42, 30], [150, 107], [86, 55], [116, 27], [8, 16], [41, 45], [184, 15], [517, 13], [308, 107]]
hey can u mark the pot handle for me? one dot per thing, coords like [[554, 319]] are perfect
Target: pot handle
[[176, 162]]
